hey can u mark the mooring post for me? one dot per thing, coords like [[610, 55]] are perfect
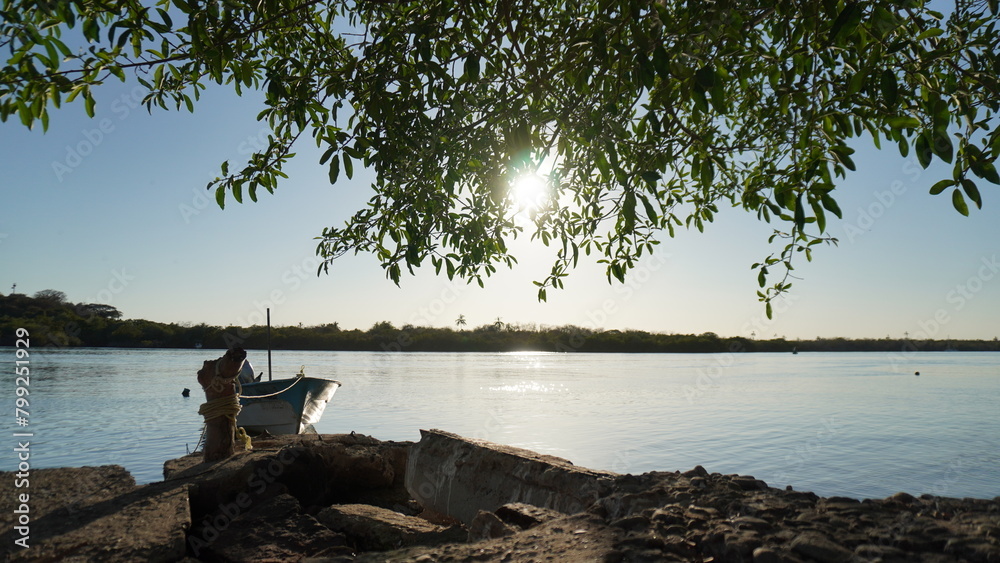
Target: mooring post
[[218, 379]]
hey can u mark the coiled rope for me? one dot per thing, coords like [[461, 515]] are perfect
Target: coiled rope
[[227, 406]]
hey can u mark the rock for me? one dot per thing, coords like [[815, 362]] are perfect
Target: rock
[[747, 483], [371, 528], [875, 552], [771, 555], [581, 537], [95, 513], [273, 530], [698, 471], [751, 523], [461, 476], [636, 522], [903, 498], [525, 516], [820, 548], [487, 525]]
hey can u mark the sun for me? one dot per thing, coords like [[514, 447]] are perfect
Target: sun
[[529, 192]]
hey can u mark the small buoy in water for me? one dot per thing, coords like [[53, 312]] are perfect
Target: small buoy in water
[[916, 373], [186, 392]]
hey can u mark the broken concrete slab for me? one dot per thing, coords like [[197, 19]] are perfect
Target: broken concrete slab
[[371, 528], [460, 477], [318, 470]]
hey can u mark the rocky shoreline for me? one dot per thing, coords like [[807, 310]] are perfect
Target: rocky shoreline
[[352, 498]]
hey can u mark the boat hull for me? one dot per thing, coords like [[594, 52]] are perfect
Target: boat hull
[[284, 406]]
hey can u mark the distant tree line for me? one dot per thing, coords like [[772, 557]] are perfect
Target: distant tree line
[[53, 321]]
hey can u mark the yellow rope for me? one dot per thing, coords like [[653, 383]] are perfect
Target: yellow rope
[[242, 436], [229, 407]]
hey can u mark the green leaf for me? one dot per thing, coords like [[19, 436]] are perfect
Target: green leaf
[[166, 17], [89, 103], [628, 212], [800, 213], [973, 192], [24, 112], [348, 166], [472, 67], [903, 122], [820, 216], [932, 32], [959, 202], [705, 77], [987, 171], [220, 197], [661, 61], [334, 170], [843, 156], [941, 186], [923, 148], [651, 177], [326, 155], [855, 83], [890, 88], [846, 22], [648, 205], [238, 193], [830, 205], [942, 145]]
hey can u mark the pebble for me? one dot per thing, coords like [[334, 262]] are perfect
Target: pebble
[[820, 548]]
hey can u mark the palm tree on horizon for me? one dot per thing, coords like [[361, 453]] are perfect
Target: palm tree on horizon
[[460, 322]]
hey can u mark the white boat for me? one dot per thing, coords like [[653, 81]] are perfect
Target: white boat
[[281, 406], [284, 406]]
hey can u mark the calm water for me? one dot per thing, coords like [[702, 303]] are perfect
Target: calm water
[[851, 424]]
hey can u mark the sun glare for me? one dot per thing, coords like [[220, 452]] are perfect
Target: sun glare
[[529, 191]]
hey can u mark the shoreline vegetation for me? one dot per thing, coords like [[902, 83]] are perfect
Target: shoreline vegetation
[[54, 322]]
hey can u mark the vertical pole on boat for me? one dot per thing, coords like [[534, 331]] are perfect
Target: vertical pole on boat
[[269, 344]]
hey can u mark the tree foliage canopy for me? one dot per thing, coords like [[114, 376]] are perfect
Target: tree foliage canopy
[[642, 115]]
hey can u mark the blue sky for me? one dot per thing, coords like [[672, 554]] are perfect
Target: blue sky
[[113, 210]]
